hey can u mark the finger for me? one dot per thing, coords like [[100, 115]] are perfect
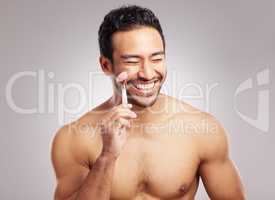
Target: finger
[[119, 126], [123, 122], [128, 105], [125, 113], [112, 111], [122, 108], [116, 112]]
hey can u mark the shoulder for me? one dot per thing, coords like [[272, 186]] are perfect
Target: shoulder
[[78, 140], [213, 141], [209, 133]]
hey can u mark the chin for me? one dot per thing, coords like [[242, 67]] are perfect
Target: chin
[[142, 101]]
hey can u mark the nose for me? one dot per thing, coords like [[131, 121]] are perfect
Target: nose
[[146, 71]]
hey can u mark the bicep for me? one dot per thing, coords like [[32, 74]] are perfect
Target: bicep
[[221, 180], [218, 173], [69, 173]]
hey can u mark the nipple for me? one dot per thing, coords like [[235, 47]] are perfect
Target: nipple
[[182, 190]]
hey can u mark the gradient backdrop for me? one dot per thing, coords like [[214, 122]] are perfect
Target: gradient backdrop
[[49, 63]]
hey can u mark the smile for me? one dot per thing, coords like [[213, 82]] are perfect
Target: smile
[[143, 89], [145, 86]]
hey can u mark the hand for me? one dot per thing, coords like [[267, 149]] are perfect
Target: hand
[[113, 129], [114, 123]]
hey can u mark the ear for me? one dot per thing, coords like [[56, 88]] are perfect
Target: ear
[[106, 65]]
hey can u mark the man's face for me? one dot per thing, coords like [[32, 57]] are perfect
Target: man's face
[[140, 52]]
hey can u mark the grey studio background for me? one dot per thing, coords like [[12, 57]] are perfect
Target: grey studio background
[[220, 58]]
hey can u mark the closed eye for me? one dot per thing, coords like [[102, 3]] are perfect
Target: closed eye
[[131, 62], [157, 60]]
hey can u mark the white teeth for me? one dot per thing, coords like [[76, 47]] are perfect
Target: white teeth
[[145, 86]]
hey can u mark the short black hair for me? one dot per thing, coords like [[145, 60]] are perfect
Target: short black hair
[[125, 18]]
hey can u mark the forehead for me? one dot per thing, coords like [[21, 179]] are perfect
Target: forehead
[[142, 40]]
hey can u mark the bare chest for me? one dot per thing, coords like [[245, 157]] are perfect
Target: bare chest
[[162, 167]]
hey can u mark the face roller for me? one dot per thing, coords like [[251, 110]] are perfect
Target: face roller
[[124, 94], [122, 77]]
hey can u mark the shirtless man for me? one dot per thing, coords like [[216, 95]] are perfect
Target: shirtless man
[[154, 147]]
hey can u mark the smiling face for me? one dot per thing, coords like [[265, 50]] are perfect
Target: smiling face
[[140, 52]]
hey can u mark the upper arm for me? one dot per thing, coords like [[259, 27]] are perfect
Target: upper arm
[[219, 175], [70, 173]]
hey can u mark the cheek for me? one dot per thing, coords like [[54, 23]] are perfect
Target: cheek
[[132, 71], [161, 70], [119, 68]]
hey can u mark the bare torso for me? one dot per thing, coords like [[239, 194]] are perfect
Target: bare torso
[[156, 167], [160, 159]]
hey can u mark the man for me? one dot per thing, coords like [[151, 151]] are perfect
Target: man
[[155, 147]]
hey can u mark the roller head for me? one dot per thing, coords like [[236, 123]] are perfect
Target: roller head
[[122, 77]]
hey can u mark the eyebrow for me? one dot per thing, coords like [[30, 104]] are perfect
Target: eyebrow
[[127, 56], [158, 53]]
